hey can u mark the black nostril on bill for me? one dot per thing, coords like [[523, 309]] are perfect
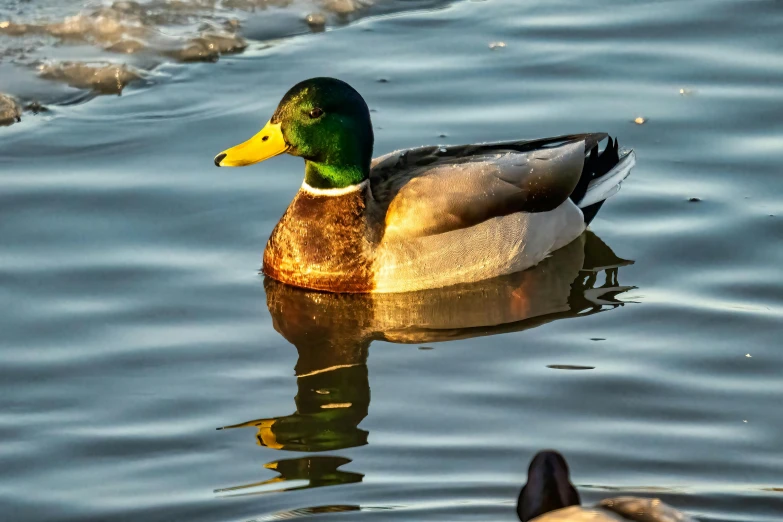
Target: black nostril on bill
[[220, 157], [265, 138]]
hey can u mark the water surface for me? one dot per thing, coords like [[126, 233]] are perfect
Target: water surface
[[135, 322]]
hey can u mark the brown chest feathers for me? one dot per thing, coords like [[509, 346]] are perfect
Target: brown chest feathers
[[322, 242]]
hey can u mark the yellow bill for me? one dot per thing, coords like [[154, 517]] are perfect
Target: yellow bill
[[267, 143], [267, 436]]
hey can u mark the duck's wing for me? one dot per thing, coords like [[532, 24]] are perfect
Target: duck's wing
[[431, 190], [643, 510]]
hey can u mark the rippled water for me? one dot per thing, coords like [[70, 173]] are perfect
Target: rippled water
[[134, 322]]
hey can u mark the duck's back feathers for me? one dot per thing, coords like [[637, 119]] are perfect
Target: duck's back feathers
[[643, 510], [431, 190], [579, 514], [621, 509]]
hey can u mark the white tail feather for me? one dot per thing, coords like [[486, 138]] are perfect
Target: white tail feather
[[607, 185]]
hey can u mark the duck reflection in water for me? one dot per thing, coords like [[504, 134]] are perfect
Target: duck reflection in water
[[333, 332]]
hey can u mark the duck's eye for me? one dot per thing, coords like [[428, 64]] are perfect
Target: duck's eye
[[316, 113]]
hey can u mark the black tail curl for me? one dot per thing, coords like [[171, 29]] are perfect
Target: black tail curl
[[596, 165]]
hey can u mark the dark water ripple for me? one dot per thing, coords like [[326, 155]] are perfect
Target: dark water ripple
[[134, 323]]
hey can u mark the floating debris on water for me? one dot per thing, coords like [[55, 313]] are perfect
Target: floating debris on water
[[426, 348], [598, 339], [569, 367], [35, 107], [497, 45], [383, 80], [101, 78], [10, 110], [748, 355], [694, 200], [640, 120], [686, 92]]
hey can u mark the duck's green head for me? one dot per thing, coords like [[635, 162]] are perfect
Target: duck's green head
[[323, 120]]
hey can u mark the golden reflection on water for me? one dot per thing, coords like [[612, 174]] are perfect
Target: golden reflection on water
[[312, 471], [332, 334]]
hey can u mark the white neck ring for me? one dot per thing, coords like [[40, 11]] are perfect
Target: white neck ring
[[334, 191]]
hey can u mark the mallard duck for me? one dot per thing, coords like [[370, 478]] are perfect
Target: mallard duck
[[549, 496], [425, 217]]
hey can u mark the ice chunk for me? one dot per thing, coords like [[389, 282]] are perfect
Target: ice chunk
[[101, 78], [208, 47], [129, 46], [10, 110], [316, 21], [345, 7]]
